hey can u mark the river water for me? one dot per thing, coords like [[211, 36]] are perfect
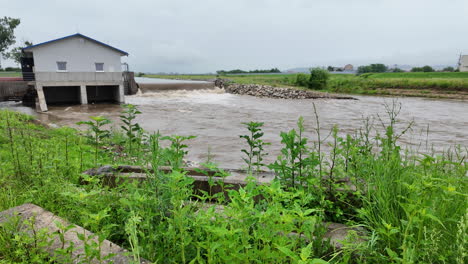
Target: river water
[[215, 118]]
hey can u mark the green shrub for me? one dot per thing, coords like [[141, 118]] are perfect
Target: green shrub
[[301, 80], [427, 68], [318, 79]]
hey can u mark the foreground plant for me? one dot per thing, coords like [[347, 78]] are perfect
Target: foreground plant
[[255, 152], [132, 130], [98, 132], [410, 208]]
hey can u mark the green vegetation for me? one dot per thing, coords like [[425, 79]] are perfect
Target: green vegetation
[[427, 84], [426, 68], [7, 35], [318, 79], [16, 53], [448, 69], [378, 67], [411, 208], [238, 71], [422, 75]]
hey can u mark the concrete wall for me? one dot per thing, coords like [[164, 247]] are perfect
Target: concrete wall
[[114, 77], [463, 63], [79, 53], [10, 89]]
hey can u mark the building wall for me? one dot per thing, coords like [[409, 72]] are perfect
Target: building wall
[[79, 53], [348, 67], [463, 63]]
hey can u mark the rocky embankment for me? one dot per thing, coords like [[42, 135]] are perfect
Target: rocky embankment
[[273, 92]]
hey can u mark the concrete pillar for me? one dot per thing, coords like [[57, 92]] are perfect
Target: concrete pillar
[[83, 95], [41, 98], [121, 96]]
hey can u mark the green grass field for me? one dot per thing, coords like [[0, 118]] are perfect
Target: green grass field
[[10, 74], [421, 75], [426, 84]]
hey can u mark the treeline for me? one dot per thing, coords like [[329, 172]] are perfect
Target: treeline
[[430, 69], [237, 71], [379, 67]]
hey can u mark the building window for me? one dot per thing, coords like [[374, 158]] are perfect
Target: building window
[[61, 66], [99, 66]]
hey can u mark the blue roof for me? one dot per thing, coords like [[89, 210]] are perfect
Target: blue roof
[[77, 35]]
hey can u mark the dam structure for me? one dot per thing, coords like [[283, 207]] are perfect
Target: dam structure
[[75, 69]]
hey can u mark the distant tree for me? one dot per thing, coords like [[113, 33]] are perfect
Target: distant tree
[[449, 69], [364, 69], [397, 70], [318, 78], [7, 34], [12, 69], [330, 68], [417, 69], [16, 53], [427, 68], [239, 71], [377, 67]]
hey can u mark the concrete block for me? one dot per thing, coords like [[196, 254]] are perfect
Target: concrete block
[[83, 95], [114, 176], [121, 95], [41, 98], [45, 219]]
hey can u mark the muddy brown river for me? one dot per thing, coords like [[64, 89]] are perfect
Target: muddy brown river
[[215, 118]]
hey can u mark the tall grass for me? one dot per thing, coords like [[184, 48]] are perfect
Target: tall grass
[[411, 208]]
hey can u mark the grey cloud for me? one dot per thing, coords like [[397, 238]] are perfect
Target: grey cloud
[[204, 36]]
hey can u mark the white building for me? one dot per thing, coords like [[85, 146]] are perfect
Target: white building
[[76, 69], [463, 63]]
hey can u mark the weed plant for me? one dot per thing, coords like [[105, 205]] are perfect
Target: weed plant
[[410, 208]]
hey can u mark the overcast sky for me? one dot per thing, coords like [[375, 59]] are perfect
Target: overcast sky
[[197, 36]]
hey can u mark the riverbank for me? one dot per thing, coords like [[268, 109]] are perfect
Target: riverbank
[[163, 219], [453, 85]]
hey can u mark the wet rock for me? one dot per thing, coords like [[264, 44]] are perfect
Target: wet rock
[[338, 234]]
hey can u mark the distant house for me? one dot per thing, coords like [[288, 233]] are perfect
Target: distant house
[[348, 67], [463, 63], [74, 69]]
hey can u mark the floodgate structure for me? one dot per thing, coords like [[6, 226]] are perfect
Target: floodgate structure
[[75, 69]]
